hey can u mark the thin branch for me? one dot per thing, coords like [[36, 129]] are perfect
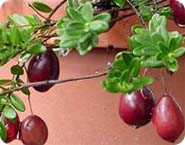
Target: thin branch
[[137, 13], [36, 11], [51, 82], [55, 9], [163, 83]]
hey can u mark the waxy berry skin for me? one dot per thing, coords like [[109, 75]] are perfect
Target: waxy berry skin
[[33, 131], [136, 108], [167, 118], [43, 67], [178, 7]]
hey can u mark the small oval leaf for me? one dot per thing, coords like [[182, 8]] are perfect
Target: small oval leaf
[[17, 70], [2, 130], [36, 48], [17, 103], [9, 112], [41, 7]]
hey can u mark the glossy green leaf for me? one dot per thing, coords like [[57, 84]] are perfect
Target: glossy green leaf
[[111, 85], [175, 42], [119, 65], [140, 82], [26, 91], [5, 81], [41, 7], [163, 48], [99, 26], [19, 20], [120, 3], [106, 17], [135, 68], [86, 43], [137, 29], [17, 103], [69, 43], [125, 76], [9, 112], [17, 70], [87, 11], [171, 63], [152, 62], [3, 133], [36, 48], [178, 52], [146, 12], [74, 15], [166, 11], [75, 28], [73, 3]]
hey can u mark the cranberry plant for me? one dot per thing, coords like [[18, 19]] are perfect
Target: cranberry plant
[[151, 45]]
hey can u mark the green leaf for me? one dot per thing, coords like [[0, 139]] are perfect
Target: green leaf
[[135, 68], [75, 28], [3, 133], [106, 17], [124, 78], [163, 47], [175, 42], [19, 20], [74, 15], [17, 70], [26, 91], [111, 85], [166, 11], [9, 112], [119, 65], [99, 26], [86, 43], [68, 43], [17, 103], [36, 48], [152, 62], [146, 12], [136, 29], [140, 82], [73, 3], [33, 20], [178, 52], [171, 64], [5, 81], [120, 3], [41, 7], [87, 11]]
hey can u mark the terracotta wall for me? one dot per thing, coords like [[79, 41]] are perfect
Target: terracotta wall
[[82, 113]]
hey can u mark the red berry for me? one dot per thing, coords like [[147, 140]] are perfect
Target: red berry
[[167, 118], [178, 7], [136, 108], [33, 131], [12, 128], [43, 67]]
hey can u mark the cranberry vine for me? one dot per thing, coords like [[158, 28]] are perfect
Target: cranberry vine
[[150, 46]]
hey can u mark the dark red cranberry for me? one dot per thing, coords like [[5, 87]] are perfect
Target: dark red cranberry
[[33, 131], [43, 67], [178, 7], [167, 118], [12, 128], [136, 108]]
